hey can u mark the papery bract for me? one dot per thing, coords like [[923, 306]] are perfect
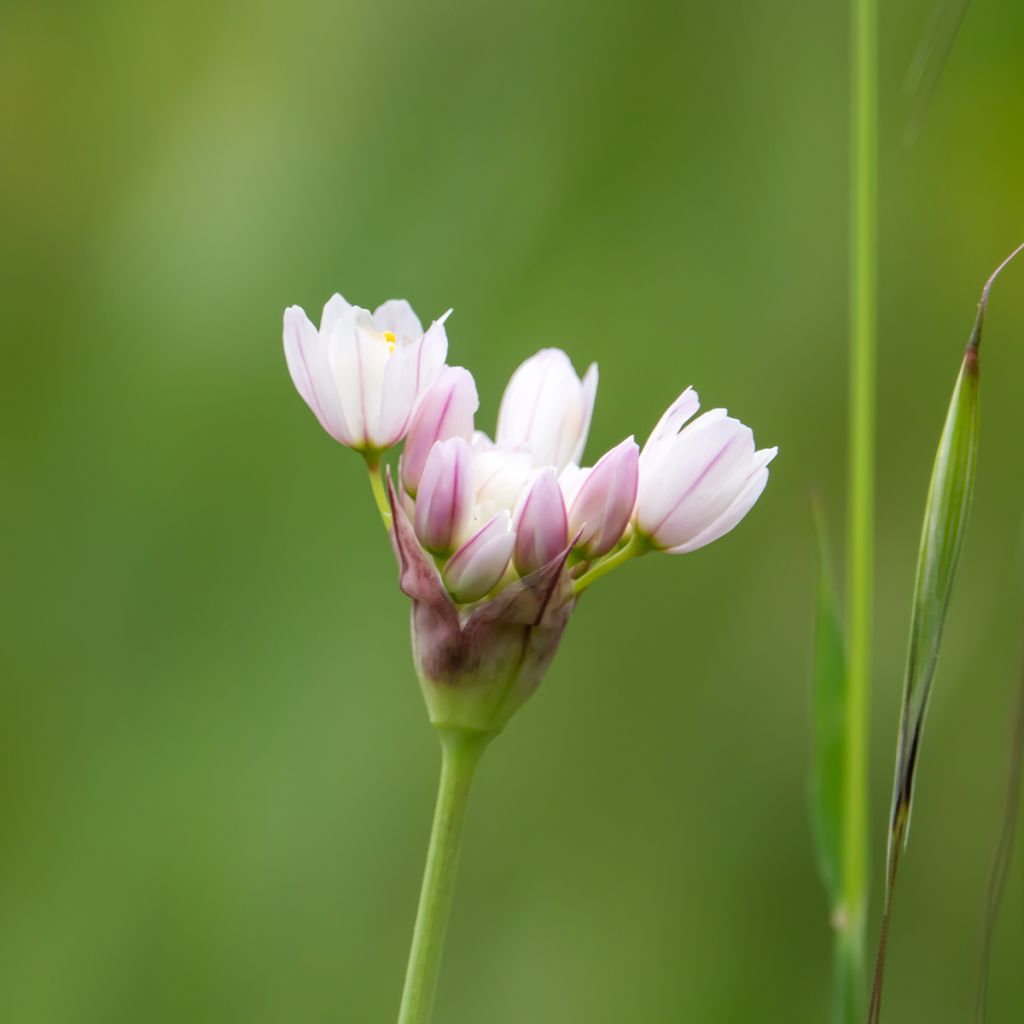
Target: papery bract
[[602, 499], [546, 409], [445, 500], [362, 374], [476, 670], [542, 528], [446, 410], [698, 483]]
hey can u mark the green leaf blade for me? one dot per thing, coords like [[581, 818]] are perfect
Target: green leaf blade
[[942, 536], [827, 779]]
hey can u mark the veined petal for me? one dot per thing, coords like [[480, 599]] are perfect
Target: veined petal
[[444, 501], [741, 505], [358, 357], [446, 410], [701, 475], [477, 566], [432, 352], [545, 410], [677, 462], [603, 506], [671, 422], [541, 526], [306, 354]]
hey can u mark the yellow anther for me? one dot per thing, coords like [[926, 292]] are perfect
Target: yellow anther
[[389, 337]]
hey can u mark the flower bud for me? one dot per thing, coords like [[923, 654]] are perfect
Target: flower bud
[[445, 499], [697, 485], [445, 411], [603, 504], [542, 529], [479, 564], [546, 409]]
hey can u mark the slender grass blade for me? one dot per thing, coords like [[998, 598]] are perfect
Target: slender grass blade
[[827, 774], [942, 536]]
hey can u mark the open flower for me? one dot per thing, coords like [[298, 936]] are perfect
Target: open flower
[[363, 373], [697, 481], [546, 409]]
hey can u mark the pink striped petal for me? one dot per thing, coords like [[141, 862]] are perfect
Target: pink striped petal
[[603, 507], [541, 526], [444, 502], [445, 411]]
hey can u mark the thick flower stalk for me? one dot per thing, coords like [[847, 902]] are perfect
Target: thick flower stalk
[[496, 539]]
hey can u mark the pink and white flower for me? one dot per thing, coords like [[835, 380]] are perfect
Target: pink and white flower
[[697, 481], [496, 539], [363, 373]]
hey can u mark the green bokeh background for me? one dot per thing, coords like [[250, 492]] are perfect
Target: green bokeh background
[[216, 774]]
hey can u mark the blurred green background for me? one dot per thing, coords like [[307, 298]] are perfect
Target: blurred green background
[[216, 773]]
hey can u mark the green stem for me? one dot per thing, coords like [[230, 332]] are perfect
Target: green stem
[[460, 753], [860, 522], [377, 486], [636, 545]]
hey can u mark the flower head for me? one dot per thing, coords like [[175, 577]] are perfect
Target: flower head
[[363, 373], [496, 539]]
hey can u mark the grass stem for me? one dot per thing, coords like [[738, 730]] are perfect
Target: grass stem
[[860, 514]]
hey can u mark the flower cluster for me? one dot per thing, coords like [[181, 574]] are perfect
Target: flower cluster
[[496, 537]]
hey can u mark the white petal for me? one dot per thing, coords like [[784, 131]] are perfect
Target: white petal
[[398, 396], [306, 354], [729, 519], [501, 477], [571, 479], [358, 357], [695, 479], [589, 396], [397, 316], [543, 409], [685, 406], [334, 309]]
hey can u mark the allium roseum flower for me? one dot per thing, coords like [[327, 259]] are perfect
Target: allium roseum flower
[[363, 373], [697, 481], [496, 539]]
